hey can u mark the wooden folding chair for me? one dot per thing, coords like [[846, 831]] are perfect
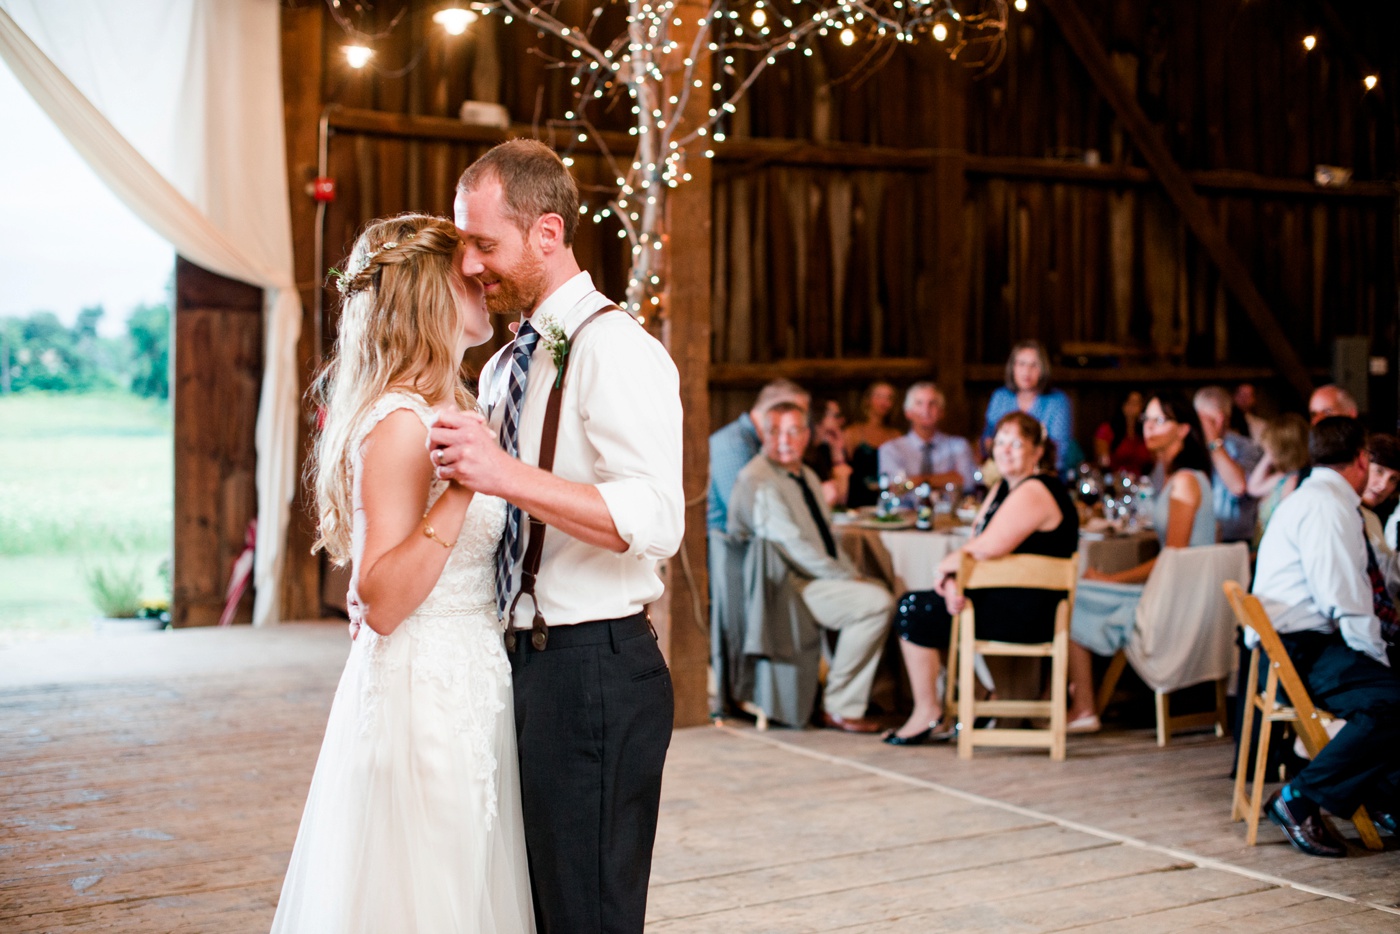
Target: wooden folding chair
[[1026, 572], [1308, 720]]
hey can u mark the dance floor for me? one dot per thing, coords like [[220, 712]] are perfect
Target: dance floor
[[153, 784]]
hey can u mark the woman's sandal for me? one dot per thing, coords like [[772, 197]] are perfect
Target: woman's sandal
[[936, 733]]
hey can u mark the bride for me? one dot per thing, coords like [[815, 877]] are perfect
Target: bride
[[412, 823]]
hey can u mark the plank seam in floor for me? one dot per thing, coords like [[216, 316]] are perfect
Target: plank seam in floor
[[1203, 862]]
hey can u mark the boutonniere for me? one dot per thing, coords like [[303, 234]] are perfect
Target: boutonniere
[[555, 341]]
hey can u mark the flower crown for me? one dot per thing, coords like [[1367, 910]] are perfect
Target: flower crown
[[345, 281]]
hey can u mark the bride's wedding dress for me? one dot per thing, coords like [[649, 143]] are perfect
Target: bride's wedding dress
[[412, 823]]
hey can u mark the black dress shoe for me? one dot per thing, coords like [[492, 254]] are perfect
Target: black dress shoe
[[1304, 827], [1384, 818], [936, 733]]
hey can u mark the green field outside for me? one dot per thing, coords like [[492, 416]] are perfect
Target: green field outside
[[85, 480]]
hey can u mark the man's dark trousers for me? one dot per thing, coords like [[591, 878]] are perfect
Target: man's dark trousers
[[593, 716], [1361, 765]]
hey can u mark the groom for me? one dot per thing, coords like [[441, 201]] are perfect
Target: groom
[[593, 707]]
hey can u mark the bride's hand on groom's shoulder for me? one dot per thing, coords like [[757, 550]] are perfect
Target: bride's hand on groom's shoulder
[[463, 448]]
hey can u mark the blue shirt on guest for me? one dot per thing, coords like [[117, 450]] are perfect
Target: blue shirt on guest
[[1236, 515], [1051, 409], [731, 447]]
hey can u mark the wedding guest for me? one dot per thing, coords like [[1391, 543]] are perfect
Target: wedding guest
[[827, 454], [1285, 444], [1232, 458], [1311, 578], [1247, 420], [925, 454], [1029, 511], [1382, 479], [1027, 389], [1105, 605], [734, 445], [1329, 400], [775, 498], [1118, 444], [863, 440]]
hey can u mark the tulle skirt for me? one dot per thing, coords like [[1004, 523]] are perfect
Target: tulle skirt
[[412, 822]]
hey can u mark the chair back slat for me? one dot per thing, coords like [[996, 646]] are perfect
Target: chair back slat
[[1029, 572]]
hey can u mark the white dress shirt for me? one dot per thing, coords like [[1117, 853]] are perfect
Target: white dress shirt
[[619, 431], [1311, 572]]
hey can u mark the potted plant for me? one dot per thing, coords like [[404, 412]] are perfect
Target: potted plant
[[117, 592]]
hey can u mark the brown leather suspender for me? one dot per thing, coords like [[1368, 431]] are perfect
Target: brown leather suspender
[[534, 550]]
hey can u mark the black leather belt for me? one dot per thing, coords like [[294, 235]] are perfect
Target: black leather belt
[[596, 632]]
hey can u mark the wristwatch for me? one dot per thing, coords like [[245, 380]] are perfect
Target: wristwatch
[[1215, 445]]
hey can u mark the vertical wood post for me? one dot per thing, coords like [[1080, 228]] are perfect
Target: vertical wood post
[[945, 300], [302, 64], [687, 336]]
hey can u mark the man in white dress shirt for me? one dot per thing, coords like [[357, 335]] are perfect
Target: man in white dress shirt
[[778, 498], [593, 700], [925, 454], [1312, 580]]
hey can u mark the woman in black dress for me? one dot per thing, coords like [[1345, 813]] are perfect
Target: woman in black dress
[[1028, 512]]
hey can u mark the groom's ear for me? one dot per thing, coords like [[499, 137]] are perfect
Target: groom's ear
[[551, 232]]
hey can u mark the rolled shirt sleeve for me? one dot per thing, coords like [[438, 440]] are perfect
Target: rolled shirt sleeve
[[632, 418]]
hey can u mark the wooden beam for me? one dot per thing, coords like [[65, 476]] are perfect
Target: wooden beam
[[302, 57], [686, 332], [1081, 38], [736, 156], [943, 292]]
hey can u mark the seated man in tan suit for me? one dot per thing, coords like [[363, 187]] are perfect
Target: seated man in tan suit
[[778, 499]]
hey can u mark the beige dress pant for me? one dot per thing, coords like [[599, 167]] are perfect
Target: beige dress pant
[[860, 611]]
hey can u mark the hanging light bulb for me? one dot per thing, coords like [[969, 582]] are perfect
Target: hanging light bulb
[[759, 17], [454, 20], [1020, 6], [357, 55], [1370, 82], [1309, 42], [848, 36], [940, 32]]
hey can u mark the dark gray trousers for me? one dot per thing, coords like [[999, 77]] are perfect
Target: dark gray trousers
[[1361, 765], [593, 718]]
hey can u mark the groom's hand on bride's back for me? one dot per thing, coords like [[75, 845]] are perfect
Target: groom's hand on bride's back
[[463, 447]]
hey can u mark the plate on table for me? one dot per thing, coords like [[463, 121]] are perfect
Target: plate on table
[[892, 524]]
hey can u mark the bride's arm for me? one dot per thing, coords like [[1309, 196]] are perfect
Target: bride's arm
[[396, 562]]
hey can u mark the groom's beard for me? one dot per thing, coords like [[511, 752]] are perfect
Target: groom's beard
[[520, 288]]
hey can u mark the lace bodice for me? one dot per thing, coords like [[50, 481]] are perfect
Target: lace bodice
[[468, 581]]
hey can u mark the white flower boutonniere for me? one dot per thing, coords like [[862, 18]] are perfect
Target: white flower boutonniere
[[555, 341]]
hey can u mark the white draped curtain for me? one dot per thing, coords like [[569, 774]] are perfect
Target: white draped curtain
[[177, 106]]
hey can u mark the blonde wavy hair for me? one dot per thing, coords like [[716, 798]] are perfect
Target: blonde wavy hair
[[399, 327]]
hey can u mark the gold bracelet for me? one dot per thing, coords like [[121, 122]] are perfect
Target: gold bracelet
[[428, 531]]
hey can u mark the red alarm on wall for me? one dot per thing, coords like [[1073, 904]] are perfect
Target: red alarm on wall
[[323, 189]]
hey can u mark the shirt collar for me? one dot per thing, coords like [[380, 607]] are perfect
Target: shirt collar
[[566, 304], [913, 436], [1338, 485]]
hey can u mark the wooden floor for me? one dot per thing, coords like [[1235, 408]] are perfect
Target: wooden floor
[[154, 783]]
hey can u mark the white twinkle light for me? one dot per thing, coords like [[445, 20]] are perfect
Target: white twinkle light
[[357, 55], [1309, 42], [1370, 82], [454, 20], [1020, 6], [848, 36], [940, 32]]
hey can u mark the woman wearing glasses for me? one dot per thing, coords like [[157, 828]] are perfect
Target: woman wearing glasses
[[1105, 605]]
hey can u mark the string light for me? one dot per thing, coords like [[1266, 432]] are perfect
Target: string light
[[940, 32], [1020, 6], [454, 20], [848, 36], [1370, 81], [357, 55], [1309, 42]]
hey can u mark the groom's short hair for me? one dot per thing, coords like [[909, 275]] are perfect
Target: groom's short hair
[[534, 182]]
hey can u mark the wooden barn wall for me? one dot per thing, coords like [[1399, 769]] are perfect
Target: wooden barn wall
[[1068, 239]]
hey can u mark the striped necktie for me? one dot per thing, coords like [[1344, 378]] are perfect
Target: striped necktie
[[508, 552]]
